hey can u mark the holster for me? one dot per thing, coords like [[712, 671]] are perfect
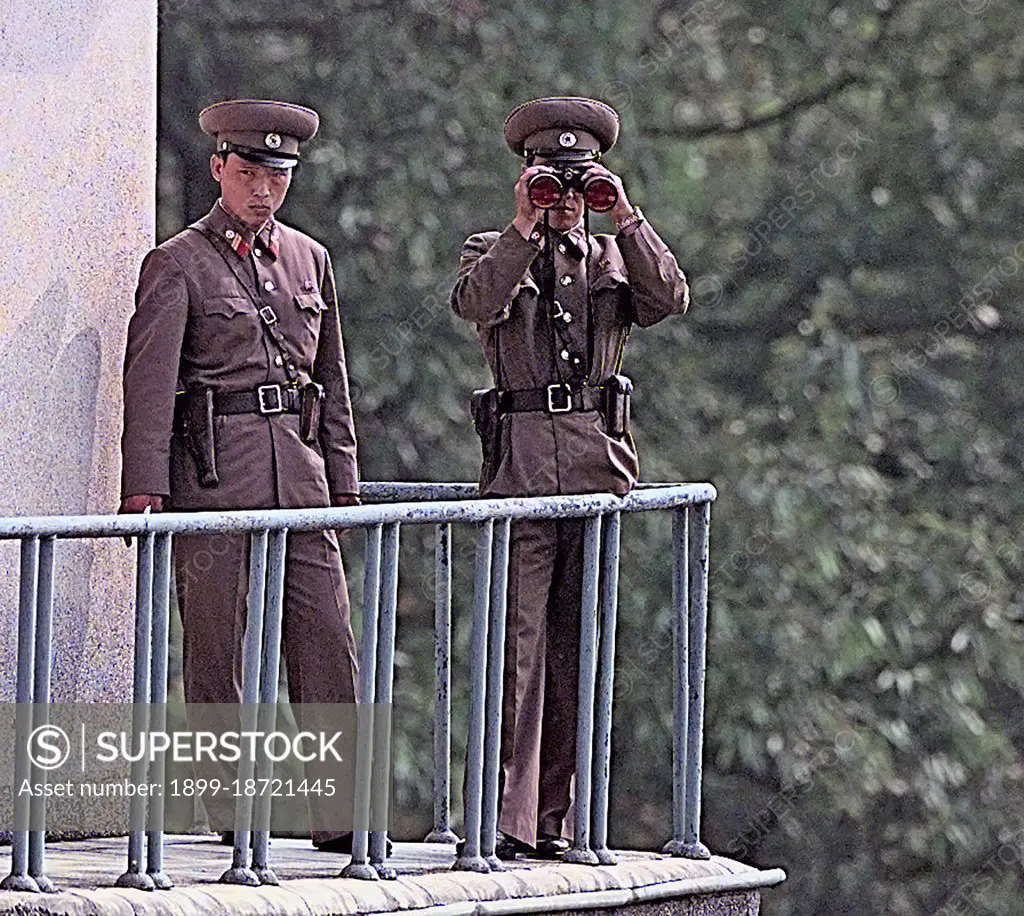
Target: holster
[[195, 412], [310, 399], [617, 394], [484, 408]]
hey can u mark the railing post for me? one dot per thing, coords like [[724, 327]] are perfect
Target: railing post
[[693, 848], [135, 877], [471, 860], [158, 706], [270, 668], [382, 697], [41, 704], [359, 866], [19, 878], [495, 677], [252, 650], [442, 832], [680, 662], [581, 853], [605, 685]]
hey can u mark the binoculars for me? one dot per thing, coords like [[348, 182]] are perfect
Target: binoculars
[[548, 188]]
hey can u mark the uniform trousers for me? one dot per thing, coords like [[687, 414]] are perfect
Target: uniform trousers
[[538, 740], [212, 579]]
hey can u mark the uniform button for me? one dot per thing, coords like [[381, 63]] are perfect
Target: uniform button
[[566, 280], [291, 366], [230, 234], [564, 354], [278, 361], [535, 236], [561, 248], [566, 317], [269, 286], [257, 252]]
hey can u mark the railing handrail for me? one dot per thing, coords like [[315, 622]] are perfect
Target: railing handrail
[[456, 508], [389, 506]]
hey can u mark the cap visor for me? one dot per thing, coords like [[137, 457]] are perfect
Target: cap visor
[[565, 155], [259, 158]]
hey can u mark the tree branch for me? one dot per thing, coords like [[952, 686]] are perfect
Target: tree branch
[[786, 109], [719, 128]]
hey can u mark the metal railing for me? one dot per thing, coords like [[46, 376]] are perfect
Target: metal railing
[[388, 507]]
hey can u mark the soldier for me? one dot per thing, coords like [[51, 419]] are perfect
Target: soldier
[[236, 397], [553, 305]]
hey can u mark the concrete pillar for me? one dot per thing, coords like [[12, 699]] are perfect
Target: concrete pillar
[[77, 177]]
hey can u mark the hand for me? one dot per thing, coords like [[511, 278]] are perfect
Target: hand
[[623, 207], [343, 501], [136, 505], [527, 215], [133, 505]]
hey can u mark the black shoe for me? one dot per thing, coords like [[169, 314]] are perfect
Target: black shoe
[[343, 844], [505, 847], [227, 838], [508, 847], [551, 847]]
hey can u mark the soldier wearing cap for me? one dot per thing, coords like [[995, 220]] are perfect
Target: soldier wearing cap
[[237, 330], [553, 305]]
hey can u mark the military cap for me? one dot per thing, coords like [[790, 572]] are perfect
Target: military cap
[[566, 126], [268, 133]]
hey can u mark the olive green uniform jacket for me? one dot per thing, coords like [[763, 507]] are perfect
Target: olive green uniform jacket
[[196, 322], [633, 279]]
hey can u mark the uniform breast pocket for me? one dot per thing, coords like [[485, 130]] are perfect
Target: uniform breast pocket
[[610, 294], [310, 303], [527, 285], [309, 308], [225, 306], [610, 279], [229, 324]]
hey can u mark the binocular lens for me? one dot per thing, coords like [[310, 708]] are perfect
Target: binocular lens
[[545, 191], [600, 195]]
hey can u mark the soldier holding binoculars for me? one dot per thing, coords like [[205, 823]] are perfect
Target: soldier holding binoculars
[[553, 305]]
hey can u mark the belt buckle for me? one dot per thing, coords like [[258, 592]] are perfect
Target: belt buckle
[[270, 399], [268, 316], [559, 398]]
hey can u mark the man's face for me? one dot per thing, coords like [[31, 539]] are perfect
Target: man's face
[[568, 212], [249, 192]]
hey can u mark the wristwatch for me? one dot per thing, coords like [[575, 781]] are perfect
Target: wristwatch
[[634, 219]]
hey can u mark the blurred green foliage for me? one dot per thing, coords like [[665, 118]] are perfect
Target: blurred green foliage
[[843, 184]]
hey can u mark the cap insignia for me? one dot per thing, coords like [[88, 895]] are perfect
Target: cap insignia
[[567, 139], [273, 141]]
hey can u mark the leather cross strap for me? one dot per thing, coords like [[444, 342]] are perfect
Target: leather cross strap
[[558, 398], [267, 315]]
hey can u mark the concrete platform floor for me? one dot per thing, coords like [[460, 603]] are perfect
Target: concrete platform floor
[[86, 870]]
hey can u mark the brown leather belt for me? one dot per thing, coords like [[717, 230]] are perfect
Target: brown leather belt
[[551, 399], [265, 400]]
